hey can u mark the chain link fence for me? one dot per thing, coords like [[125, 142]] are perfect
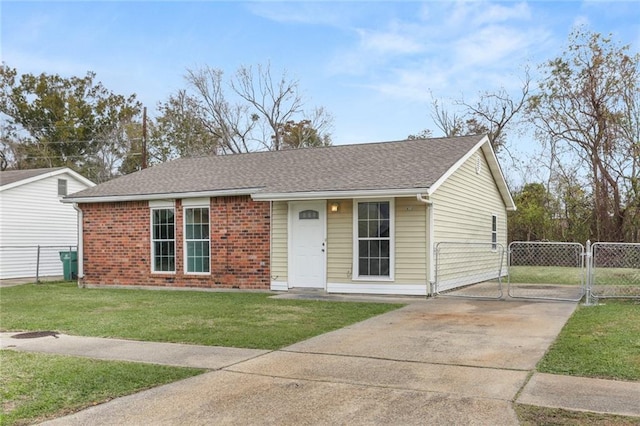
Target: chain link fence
[[615, 270], [469, 269], [38, 262], [539, 270], [546, 270]]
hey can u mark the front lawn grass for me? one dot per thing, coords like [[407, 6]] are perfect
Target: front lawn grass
[[234, 319], [34, 387], [601, 341]]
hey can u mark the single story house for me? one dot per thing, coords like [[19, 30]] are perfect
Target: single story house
[[32, 216], [362, 218]]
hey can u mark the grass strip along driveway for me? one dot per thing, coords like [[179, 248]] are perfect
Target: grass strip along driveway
[[601, 341], [34, 387]]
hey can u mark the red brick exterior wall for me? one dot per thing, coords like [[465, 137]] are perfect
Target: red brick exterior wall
[[117, 245]]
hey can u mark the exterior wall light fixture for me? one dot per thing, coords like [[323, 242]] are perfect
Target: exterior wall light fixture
[[334, 207]]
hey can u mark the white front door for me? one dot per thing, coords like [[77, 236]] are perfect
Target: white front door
[[307, 248]]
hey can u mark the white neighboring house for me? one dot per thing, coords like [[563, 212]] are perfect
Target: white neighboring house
[[32, 215]]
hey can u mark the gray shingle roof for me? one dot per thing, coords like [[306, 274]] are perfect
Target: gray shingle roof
[[11, 176], [362, 167]]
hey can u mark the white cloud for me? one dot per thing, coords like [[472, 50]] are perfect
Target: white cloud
[[310, 13], [388, 43], [495, 13], [581, 21], [490, 45]]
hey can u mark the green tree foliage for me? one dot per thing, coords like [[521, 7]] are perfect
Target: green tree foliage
[[533, 219], [180, 130], [588, 104], [574, 217], [300, 134], [51, 121]]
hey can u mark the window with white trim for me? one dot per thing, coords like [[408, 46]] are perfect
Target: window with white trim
[[62, 187], [373, 249], [163, 240], [197, 240], [494, 232]]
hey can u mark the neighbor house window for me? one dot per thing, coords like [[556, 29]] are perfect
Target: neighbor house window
[[197, 240], [494, 232], [62, 187], [163, 240], [373, 242]]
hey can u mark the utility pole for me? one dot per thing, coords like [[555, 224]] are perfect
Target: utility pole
[[144, 138]]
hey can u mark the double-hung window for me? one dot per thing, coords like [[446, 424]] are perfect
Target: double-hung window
[[373, 257], [163, 240], [197, 240]]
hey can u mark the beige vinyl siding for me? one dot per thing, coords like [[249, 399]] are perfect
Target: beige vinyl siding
[[411, 252], [340, 242], [465, 203], [279, 240], [464, 206], [410, 243]]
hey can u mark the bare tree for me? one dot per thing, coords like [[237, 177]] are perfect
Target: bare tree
[[494, 111], [248, 112], [450, 123], [230, 124], [588, 103], [492, 114], [276, 102]]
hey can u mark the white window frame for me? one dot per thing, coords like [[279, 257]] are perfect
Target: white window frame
[[356, 246], [494, 232], [63, 186], [188, 205], [153, 246]]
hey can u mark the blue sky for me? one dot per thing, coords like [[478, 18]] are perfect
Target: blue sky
[[372, 65]]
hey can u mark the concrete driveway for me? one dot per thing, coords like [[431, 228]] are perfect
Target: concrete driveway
[[438, 361]]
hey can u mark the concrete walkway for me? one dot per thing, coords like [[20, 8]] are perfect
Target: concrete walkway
[[437, 361]]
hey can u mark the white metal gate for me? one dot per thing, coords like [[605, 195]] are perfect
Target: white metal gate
[[546, 270]]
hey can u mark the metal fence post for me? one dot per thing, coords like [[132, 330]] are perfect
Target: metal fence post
[[589, 278], [38, 265]]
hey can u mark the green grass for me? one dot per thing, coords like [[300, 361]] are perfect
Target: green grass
[[530, 415], [545, 275], [600, 341], [572, 276], [34, 387], [617, 276], [246, 320]]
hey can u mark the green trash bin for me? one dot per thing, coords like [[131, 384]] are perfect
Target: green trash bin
[[69, 264]]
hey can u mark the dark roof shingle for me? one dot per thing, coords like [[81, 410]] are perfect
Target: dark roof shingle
[[362, 167], [11, 176]]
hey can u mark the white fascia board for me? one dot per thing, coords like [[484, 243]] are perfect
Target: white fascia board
[[337, 195], [65, 170], [498, 176], [457, 165], [163, 196]]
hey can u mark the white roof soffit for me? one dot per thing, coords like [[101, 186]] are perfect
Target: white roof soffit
[[336, 195]]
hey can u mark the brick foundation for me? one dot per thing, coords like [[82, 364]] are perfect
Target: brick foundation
[[117, 245]]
